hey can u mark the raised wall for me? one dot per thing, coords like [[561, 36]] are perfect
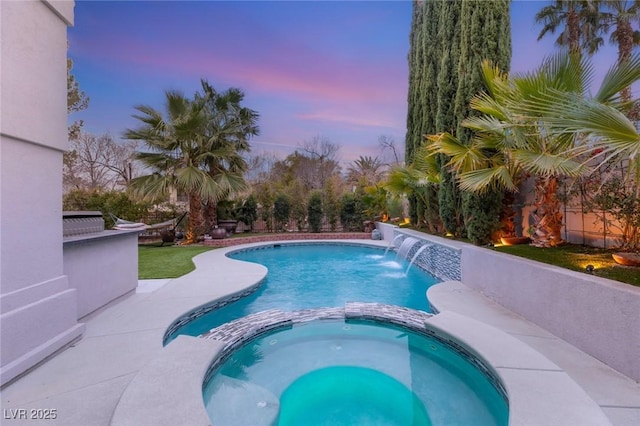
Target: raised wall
[[38, 309], [597, 315]]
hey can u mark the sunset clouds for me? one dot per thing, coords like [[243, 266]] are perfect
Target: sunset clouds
[[332, 68], [336, 69]]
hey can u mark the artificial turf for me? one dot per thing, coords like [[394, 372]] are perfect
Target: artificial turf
[[167, 261]]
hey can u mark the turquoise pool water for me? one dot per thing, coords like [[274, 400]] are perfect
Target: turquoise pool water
[[322, 275], [350, 373]]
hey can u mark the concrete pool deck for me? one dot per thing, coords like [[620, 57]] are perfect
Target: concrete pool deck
[[85, 382]]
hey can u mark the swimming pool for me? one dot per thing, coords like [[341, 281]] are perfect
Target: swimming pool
[[350, 373], [320, 275]]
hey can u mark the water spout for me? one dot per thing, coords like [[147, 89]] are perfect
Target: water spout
[[392, 244], [405, 247], [415, 256]]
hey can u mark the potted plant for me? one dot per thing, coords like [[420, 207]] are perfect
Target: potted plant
[[226, 219]]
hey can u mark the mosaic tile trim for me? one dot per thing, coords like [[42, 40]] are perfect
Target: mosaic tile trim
[[299, 243], [441, 261], [289, 236], [197, 313], [237, 333]]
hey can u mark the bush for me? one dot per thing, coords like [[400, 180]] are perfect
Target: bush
[[314, 212], [114, 202], [247, 211], [281, 211], [482, 215], [351, 213]]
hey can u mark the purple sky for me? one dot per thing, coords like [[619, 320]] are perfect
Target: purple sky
[[335, 69]]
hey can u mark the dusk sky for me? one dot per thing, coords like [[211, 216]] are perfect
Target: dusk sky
[[334, 69]]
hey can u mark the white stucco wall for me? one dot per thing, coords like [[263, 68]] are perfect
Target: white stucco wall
[[596, 315], [38, 309]]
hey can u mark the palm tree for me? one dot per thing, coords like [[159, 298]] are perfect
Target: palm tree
[[228, 130], [416, 180], [537, 124], [365, 171], [613, 137], [175, 151], [512, 142], [577, 20], [620, 16]]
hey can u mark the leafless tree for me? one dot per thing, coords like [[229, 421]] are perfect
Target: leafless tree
[[325, 154], [259, 168], [98, 163], [387, 143]]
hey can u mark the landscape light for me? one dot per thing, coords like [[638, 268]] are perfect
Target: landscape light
[[590, 269]]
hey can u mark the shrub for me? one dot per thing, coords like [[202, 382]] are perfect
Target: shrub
[[108, 202], [314, 212], [247, 211], [351, 213], [281, 211]]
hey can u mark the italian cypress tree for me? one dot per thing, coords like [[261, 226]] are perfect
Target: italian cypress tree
[[449, 199], [485, 33], [415, 59], [424, 57]]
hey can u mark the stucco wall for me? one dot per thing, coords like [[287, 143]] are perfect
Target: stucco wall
[[37, 308], [101, 267], [596, 315]]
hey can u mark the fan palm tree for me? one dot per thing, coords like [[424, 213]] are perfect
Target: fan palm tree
[[577, 21], [175, 152], [613, 136], [536, 124], [365, 171], [228, 130], [416, 180], [620, 16], [511, 142]]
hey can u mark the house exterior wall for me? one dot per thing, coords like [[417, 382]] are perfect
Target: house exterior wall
[[38, 309]]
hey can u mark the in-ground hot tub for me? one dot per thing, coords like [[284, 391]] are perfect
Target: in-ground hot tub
[[348, 372]]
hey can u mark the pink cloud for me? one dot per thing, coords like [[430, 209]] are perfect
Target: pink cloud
[[368, 120]]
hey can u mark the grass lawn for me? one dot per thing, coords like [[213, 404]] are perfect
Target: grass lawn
[[168, 261], [576, 258]]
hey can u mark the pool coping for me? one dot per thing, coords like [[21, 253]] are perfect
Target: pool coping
[[539, 391]]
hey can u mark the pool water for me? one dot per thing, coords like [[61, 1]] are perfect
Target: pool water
[[350, 373], [322, 275]]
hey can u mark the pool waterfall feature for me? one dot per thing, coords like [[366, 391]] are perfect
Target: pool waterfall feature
[[430, 254]]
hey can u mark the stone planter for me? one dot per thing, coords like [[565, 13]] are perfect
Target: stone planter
[[218, 233], [512, 241], [627, 259], [228, 225], [168, 236]]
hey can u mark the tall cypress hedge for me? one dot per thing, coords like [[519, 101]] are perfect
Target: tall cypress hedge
[[448, 42], [485, 33]]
